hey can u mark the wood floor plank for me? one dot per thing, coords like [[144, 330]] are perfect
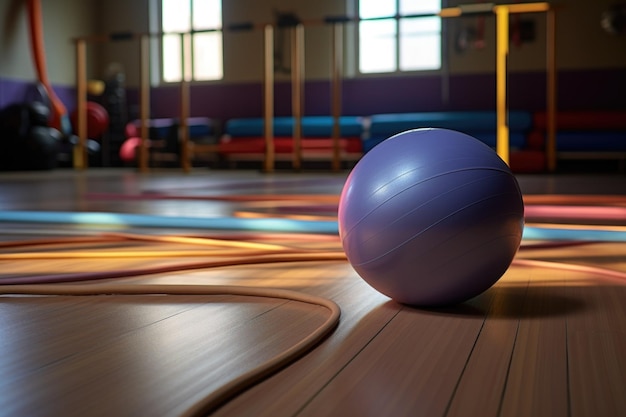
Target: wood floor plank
[[83, 324], [364, 313], [596, 351], [161, 368], [597, 373], [482, 382], [537, 382], [408, 369], [542, 342]]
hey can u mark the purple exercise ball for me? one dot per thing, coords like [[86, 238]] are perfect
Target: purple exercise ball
[[431, 217]]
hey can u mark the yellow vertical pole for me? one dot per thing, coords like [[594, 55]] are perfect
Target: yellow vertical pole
[[551, 86], [297, 77], [184, 105], [502, 41], [79, 156], [268, 98], [144, 100], [337, 70]]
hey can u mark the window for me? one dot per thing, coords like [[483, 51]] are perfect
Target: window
[[399, 35], [201, 23]]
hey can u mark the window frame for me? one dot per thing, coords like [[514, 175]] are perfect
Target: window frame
[[189, 44], [397, 18]]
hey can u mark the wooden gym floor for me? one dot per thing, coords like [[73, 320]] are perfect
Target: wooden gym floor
[[549, 339]]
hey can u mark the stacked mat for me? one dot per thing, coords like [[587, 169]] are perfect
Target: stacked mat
[[585, 132], [479, 124], [246, 135], [199, 127]]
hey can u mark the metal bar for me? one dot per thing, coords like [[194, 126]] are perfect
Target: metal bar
[[297, 91], [551, 86], [502, 41], [268, 99], [337, 71], [527, 7], [144, 101], [79, 153], [185, 158]]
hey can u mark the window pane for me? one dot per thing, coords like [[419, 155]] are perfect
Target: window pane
[[420, 53], [176, 16], [207, 14], [420, 25], [376, 8], [207, 50], [172, 68], [420, 44], [377, 49], [408, 7]]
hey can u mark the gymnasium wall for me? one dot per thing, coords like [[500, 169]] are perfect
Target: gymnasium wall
[[63, 20], [591, 62], [582, 44], [591, 66]]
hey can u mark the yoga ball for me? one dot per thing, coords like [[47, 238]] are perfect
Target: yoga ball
[[431, 217], [97, 120], [128, 150], [41, 148]]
